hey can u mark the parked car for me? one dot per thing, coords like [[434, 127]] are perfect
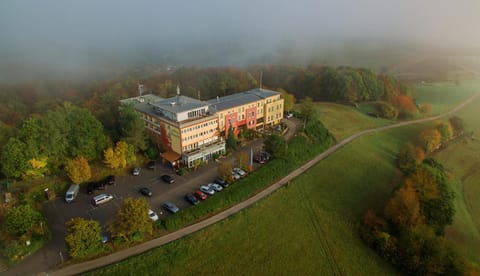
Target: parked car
[[151, 165], [240, 172], [145, 191], [152, 215], [192, 199], [168, 178], [136, 171], [93, 186], [289, 115], [103, 238], [90, 188], [102, 198], [169, 206], [215, 187], [200, 195], [221, 182], [262, 157], [207, 190], [235, 176], [110, 180]]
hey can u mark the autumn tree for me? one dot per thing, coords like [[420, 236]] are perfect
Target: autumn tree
[[119, 156], [83, 237], [242, 159], [403, 208], [224, 170], [78, 170], [409, 157], [405, 105], [430, 139], [132, 220], [426, 108], [387, 111], [457, 124], [288, 99], [23, 219]]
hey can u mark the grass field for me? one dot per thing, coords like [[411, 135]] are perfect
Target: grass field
[[444, 96], [310, 227], [463, 159], [343, 121]]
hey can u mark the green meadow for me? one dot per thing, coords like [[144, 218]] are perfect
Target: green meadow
[[311, 226]]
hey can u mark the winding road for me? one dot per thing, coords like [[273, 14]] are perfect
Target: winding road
[[138, 249]]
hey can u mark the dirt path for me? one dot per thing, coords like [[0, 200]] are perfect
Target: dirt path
[[138, 249]]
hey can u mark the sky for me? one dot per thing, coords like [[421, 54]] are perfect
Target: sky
[[75, 36]]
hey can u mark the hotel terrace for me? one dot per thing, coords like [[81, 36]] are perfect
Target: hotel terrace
[[190, 129]]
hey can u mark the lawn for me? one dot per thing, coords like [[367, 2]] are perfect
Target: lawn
[[343, 121], [463, 159], [307, 228], [444, 96]]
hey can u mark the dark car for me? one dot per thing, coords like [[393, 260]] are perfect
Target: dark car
[[110, 180], [145, 191], [192, 199], [169, 206], [221, 182], [93, 186], [90, 188], [151, 165], [168, 178], [200, 195]]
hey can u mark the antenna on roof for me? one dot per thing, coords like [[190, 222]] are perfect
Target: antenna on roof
[[178, 94], [140, 89], [261, 75]]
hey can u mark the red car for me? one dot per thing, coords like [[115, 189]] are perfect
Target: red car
[[200, 195]]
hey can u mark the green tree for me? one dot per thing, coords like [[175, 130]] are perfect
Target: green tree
[[430, 139], [308, 110], [22, 220], [387, 111], [276, 145], [288, 99], [132, 219], [14, 158], [83, 237], [446, 130], [132, 127], [78, 170], [86, 137], [231, 140]]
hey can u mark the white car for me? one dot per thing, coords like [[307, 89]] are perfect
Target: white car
[[235, 175], [215, 187], [207, 190], [152, 215], [136, 171], [240, 172]]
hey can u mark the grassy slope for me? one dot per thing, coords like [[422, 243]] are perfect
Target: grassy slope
[[444, 96], [306, 228], [463, 159]]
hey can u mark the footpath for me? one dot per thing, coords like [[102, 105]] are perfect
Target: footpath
[[138, 249]]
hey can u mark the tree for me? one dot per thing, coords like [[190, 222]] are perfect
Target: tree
[[83, 237], [446, 130], [14, 158], [86, 137], [78, 170], [430, 139], [22, 220], [231, 140], [288, 99], [119, 156], [404, 207], [409, 158], [457, 124], [387, 111], [426, 108], [242, 159], [224, 170], [276, 145], [132, 219], [132, 127], [405, 105], [308, 110]]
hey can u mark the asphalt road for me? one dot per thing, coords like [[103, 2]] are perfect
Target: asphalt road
[[118, 256]]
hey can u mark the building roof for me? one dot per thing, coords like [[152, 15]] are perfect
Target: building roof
[[222, 103], [179, 103]]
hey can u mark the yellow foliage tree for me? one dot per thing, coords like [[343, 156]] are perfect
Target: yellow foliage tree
[[116, 158], [38, 167], [78, 170], [224, 170], [430, 139]]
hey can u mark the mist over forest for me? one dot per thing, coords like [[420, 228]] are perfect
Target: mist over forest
[[95, 40]]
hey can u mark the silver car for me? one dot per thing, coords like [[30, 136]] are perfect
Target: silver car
[[206, 189], [215, 187]]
